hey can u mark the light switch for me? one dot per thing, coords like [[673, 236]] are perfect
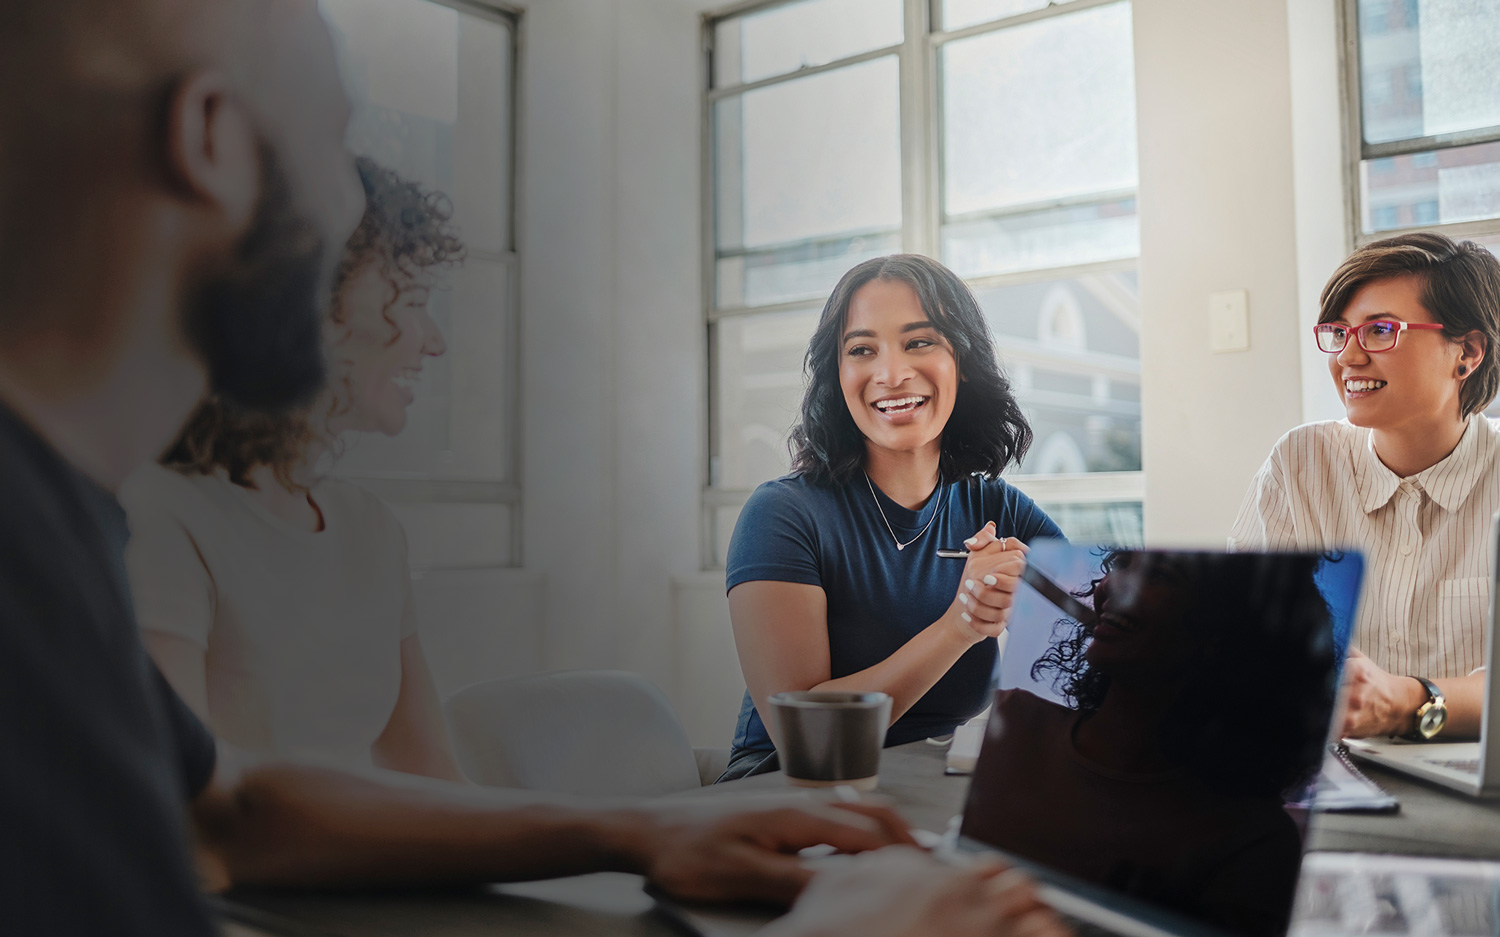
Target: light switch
[[1229, 321]]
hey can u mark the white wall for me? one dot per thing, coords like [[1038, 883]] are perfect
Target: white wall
[[1240, 188], [613, 342], [1318, 158], [1213, 87]]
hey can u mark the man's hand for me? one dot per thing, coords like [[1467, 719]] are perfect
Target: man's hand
[[711, 854], [1376, 702], [900, 892]]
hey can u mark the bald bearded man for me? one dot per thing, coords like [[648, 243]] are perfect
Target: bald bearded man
[[174, 190]]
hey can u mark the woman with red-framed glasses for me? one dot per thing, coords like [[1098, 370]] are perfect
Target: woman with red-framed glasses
[[1410, 477]]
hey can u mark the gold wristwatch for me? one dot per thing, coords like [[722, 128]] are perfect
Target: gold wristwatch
[[1431, 715]]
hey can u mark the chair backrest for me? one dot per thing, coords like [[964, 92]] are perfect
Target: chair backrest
[[605, 732]]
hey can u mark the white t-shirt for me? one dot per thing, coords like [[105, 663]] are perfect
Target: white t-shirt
[[1424, 608], [302, 631]]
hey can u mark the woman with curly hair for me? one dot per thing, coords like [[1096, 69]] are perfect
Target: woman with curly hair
[[1163, 775], [833, 576], [276, 600]]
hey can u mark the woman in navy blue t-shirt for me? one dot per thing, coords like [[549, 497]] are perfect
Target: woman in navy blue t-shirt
[[833, 577]]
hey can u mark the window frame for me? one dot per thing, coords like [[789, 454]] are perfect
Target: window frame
[[1357, 151], [398, 488], [921, 110]]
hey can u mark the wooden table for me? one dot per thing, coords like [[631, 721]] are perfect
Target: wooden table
[[1431, 822]]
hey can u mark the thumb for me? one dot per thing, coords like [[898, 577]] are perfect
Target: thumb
[[984, 538]]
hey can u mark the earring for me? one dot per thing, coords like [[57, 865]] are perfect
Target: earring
[[1462, 370]]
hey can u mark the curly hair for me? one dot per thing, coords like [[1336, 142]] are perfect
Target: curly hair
[[406, 231], [987, 430], [1254, 619]]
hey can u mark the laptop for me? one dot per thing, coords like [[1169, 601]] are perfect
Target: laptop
[[1470, 767], [1157, 712]]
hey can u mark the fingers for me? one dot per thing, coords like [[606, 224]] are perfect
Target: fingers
[[983, 539], [890, 822], [1013, 892], [991, 585], [845, 827], [753, 855], [1043, 922], [770, 877]]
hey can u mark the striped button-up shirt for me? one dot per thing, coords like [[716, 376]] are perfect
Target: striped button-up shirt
[[1426, 539]]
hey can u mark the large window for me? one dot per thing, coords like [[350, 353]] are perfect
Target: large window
[[434, 92], [995, 135], [1424, 125]]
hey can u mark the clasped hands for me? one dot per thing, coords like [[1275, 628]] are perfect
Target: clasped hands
[[987, 590], [1377, 702]]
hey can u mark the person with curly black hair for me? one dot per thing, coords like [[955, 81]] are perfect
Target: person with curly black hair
[[833, 578], [1165, 773], [330, 662]]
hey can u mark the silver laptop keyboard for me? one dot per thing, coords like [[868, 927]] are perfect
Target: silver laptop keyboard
[[1466, 765], [1358, 894]]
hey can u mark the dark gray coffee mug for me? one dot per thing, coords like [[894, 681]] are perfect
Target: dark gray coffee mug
[[829, 738]]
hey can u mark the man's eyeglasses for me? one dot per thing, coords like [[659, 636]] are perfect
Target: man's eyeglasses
[[1374, 336]]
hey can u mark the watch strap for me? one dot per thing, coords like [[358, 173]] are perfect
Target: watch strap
[[1434, 695], [1434, 698]]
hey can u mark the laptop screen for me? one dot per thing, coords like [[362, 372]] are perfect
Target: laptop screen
[[1156, 712]]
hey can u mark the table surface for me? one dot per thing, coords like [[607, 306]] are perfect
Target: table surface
[[1432, 821]]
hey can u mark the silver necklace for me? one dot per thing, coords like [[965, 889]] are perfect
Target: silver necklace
[[897, 540]]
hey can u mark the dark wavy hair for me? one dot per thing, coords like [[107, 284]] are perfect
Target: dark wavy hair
[[987, 430], [1251, 712], [407, 232]]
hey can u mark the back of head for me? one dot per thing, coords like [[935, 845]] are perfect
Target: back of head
[[181, 155], [1460, 288]]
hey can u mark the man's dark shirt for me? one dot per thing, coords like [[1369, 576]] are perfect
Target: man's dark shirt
[[98, 757]]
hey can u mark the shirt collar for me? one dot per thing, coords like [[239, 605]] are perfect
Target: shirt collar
[[1447, 483]]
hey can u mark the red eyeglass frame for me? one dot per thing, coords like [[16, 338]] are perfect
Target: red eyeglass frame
[[1358, 331]]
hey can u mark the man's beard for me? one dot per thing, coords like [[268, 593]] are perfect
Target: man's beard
[[258, 323]]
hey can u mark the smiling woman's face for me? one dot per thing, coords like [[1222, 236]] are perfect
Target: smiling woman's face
[[379, 347], [1412, 385], [897, 371]]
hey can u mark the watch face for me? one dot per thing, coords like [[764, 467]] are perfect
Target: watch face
[[1431, 721]]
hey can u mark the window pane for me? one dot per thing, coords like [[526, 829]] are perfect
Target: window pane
[[1115, 523], [807, 270], [1459, 184], [786, 38], [1428, 67], [1035, 240], [816, 159], [432, 91], [759, 382], [960, 13], [1040, 112], [1072, 350]]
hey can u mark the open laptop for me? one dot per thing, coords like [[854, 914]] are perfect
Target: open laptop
[[1147, 736], [1470, 767]]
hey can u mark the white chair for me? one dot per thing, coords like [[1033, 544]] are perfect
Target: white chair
[[603, 732]]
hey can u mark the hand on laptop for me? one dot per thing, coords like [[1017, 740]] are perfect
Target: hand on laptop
[[712, 854], [901, 892], [1377, 702]]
